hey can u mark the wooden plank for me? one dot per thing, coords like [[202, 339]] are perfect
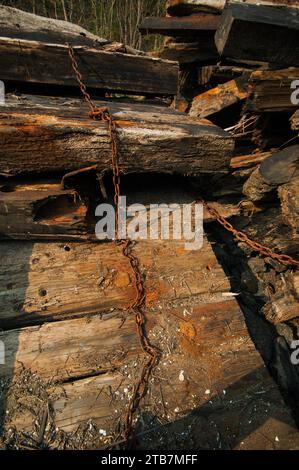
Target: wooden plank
[[189, 7], [42, 210], [248, 430], [47, 63], [279, 168], [271, 90], [212, 368], [37, 131], [170, 26], [259, 33], [42, 281], [289, 199], [96, 344], [19, 24], [283, 304], [45, 209], [200, 49], [247, 161], [219, 98]]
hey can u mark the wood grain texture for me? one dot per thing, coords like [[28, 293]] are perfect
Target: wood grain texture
[[45, 209], [289, 199], [259, 33], [219, 98], [43, 134], [199, 48], [19, 24], [48, 63], [271, 90], [52, 280], [181, 26], [188, 7]]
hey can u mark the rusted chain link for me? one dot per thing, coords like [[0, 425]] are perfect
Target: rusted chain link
[[103, 114], [242, 237]]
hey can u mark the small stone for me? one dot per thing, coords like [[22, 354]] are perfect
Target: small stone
[[181, 376]]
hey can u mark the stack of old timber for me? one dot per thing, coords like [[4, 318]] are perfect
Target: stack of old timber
[[72, 354], [239, 68]]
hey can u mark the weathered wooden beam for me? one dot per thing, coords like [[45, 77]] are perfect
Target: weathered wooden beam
[[279, 168], [289, 198], [42, 281], [41, 209], [207, 357], [189, 7], [200, 48], [283, 304], [180, 26], [19, 24], [219, 98], [271, 90], [259, 33], [48, 63], [247, 161], [44, 211], [40, 134], [295, 121]]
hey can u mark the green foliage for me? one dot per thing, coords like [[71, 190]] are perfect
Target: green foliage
[[116, 20]]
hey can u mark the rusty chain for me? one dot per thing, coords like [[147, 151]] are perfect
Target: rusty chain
[[103, 114], [242, 237]]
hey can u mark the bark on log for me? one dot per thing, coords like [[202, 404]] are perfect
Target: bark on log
[[46, 63], [259, 33], [217, 99], [271, 90], [43, 134]]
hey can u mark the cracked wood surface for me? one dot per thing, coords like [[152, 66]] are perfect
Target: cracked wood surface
[[40, 134]]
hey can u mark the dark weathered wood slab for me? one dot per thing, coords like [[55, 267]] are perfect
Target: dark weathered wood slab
[[42, 281], [41, 209], [200, 48], [48, 63], [188, 7], [259, 33], [219, 98], [271, 90], [181, 26], [209, 372], [40, 134]]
